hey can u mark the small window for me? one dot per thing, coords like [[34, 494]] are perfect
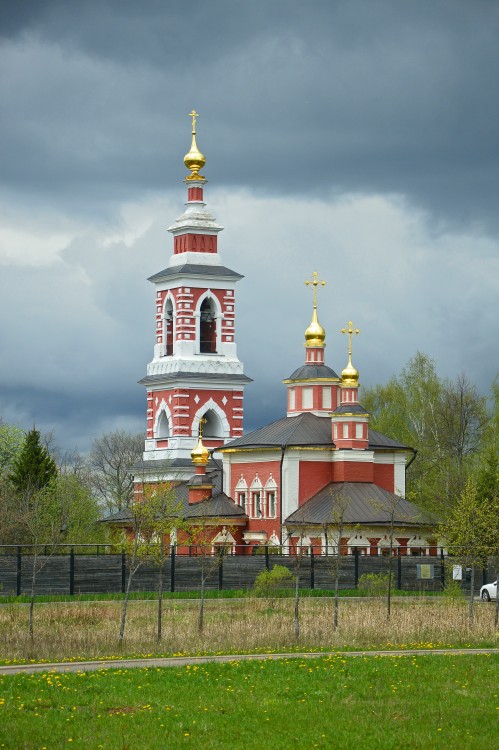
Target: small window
[[257, 504], [345, 430], [359, 431], [307, 398], [271, 504], [241, 499], [326, 398], [292, 398]]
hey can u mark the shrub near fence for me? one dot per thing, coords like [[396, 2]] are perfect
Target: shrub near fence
[[73, 572]]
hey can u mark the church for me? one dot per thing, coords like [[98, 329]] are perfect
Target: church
[[292, 483]]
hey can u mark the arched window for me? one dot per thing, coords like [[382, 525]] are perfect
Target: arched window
[[163, 428], [168, 327], [213, 427], [270, 505], [255, 509], [208, 327], [242, 493]]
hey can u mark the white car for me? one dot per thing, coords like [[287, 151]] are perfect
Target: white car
[[489, 592]]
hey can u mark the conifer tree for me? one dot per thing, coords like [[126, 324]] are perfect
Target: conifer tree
[[33, 468]]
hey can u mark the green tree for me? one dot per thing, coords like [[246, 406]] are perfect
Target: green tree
[[162, 521], [33, 468], [467, 531], [334, 527], [11, 442], [444, 420], [488, 497]]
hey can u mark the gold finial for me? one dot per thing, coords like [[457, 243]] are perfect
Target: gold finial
[[350, 375], [194, 160], [315, 335], [200, 454]]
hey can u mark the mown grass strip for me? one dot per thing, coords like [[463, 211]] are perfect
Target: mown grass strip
[[409, 701], [209, 594]]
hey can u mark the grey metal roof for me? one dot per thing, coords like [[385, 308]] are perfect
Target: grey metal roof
[[363, 503], [378, 440], [313, 372], [194, 269], [304, 429], [350, 409], [218, 506], [180, 375], [181, 495]]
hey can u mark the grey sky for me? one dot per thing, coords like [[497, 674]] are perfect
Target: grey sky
[[354, 138]]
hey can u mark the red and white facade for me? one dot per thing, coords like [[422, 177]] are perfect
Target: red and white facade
[[195, 371], [323, 442]]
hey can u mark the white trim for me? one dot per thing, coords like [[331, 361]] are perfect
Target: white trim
[[210, 404], [163, 407]]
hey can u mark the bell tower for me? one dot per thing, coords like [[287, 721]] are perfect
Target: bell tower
[[195, 373]]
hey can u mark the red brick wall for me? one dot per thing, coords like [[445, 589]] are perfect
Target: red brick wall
[[384, 476], [350, 471], [314, 475]]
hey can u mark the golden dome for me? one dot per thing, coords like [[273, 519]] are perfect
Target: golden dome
[[315, 335], [350, 375], [194, 160], [200, 454]]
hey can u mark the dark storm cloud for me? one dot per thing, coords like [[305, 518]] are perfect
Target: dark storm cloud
[[353, 137], [397, 97]]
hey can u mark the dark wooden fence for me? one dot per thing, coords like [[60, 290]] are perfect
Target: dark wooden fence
[[71, 573]]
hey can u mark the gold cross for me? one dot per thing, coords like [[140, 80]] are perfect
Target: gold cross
[[202, 422], [351, 332], [315, 284], [193, 114]]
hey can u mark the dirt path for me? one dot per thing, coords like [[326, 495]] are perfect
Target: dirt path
[[182, 661]]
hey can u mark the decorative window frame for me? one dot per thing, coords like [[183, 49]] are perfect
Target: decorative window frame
[[255, 487], [218, 319]]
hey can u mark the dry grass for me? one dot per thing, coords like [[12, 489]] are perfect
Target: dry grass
[[89, 630]]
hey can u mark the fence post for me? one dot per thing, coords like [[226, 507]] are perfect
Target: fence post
[[172, 568], [267, 560], [72, 571], [356, 565], [399, 571], [312, 569], [19, 571], [221, 571], [442, 568], [123, 572]]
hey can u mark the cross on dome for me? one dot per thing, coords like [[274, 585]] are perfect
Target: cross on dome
[[194, 160], [315, 335], [315, 284], [350, 375]]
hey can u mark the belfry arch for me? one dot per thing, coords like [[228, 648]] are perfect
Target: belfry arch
[[168, 323], [216, 425], [208, 326]]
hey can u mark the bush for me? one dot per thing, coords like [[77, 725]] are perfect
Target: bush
[[373, 584], [271, 584]]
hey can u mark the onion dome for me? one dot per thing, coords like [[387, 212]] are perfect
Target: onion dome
[[194, 160], [200, 454], [350, 375], [315, 335]]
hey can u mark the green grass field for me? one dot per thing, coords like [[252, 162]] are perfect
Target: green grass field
[[335, 702]]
